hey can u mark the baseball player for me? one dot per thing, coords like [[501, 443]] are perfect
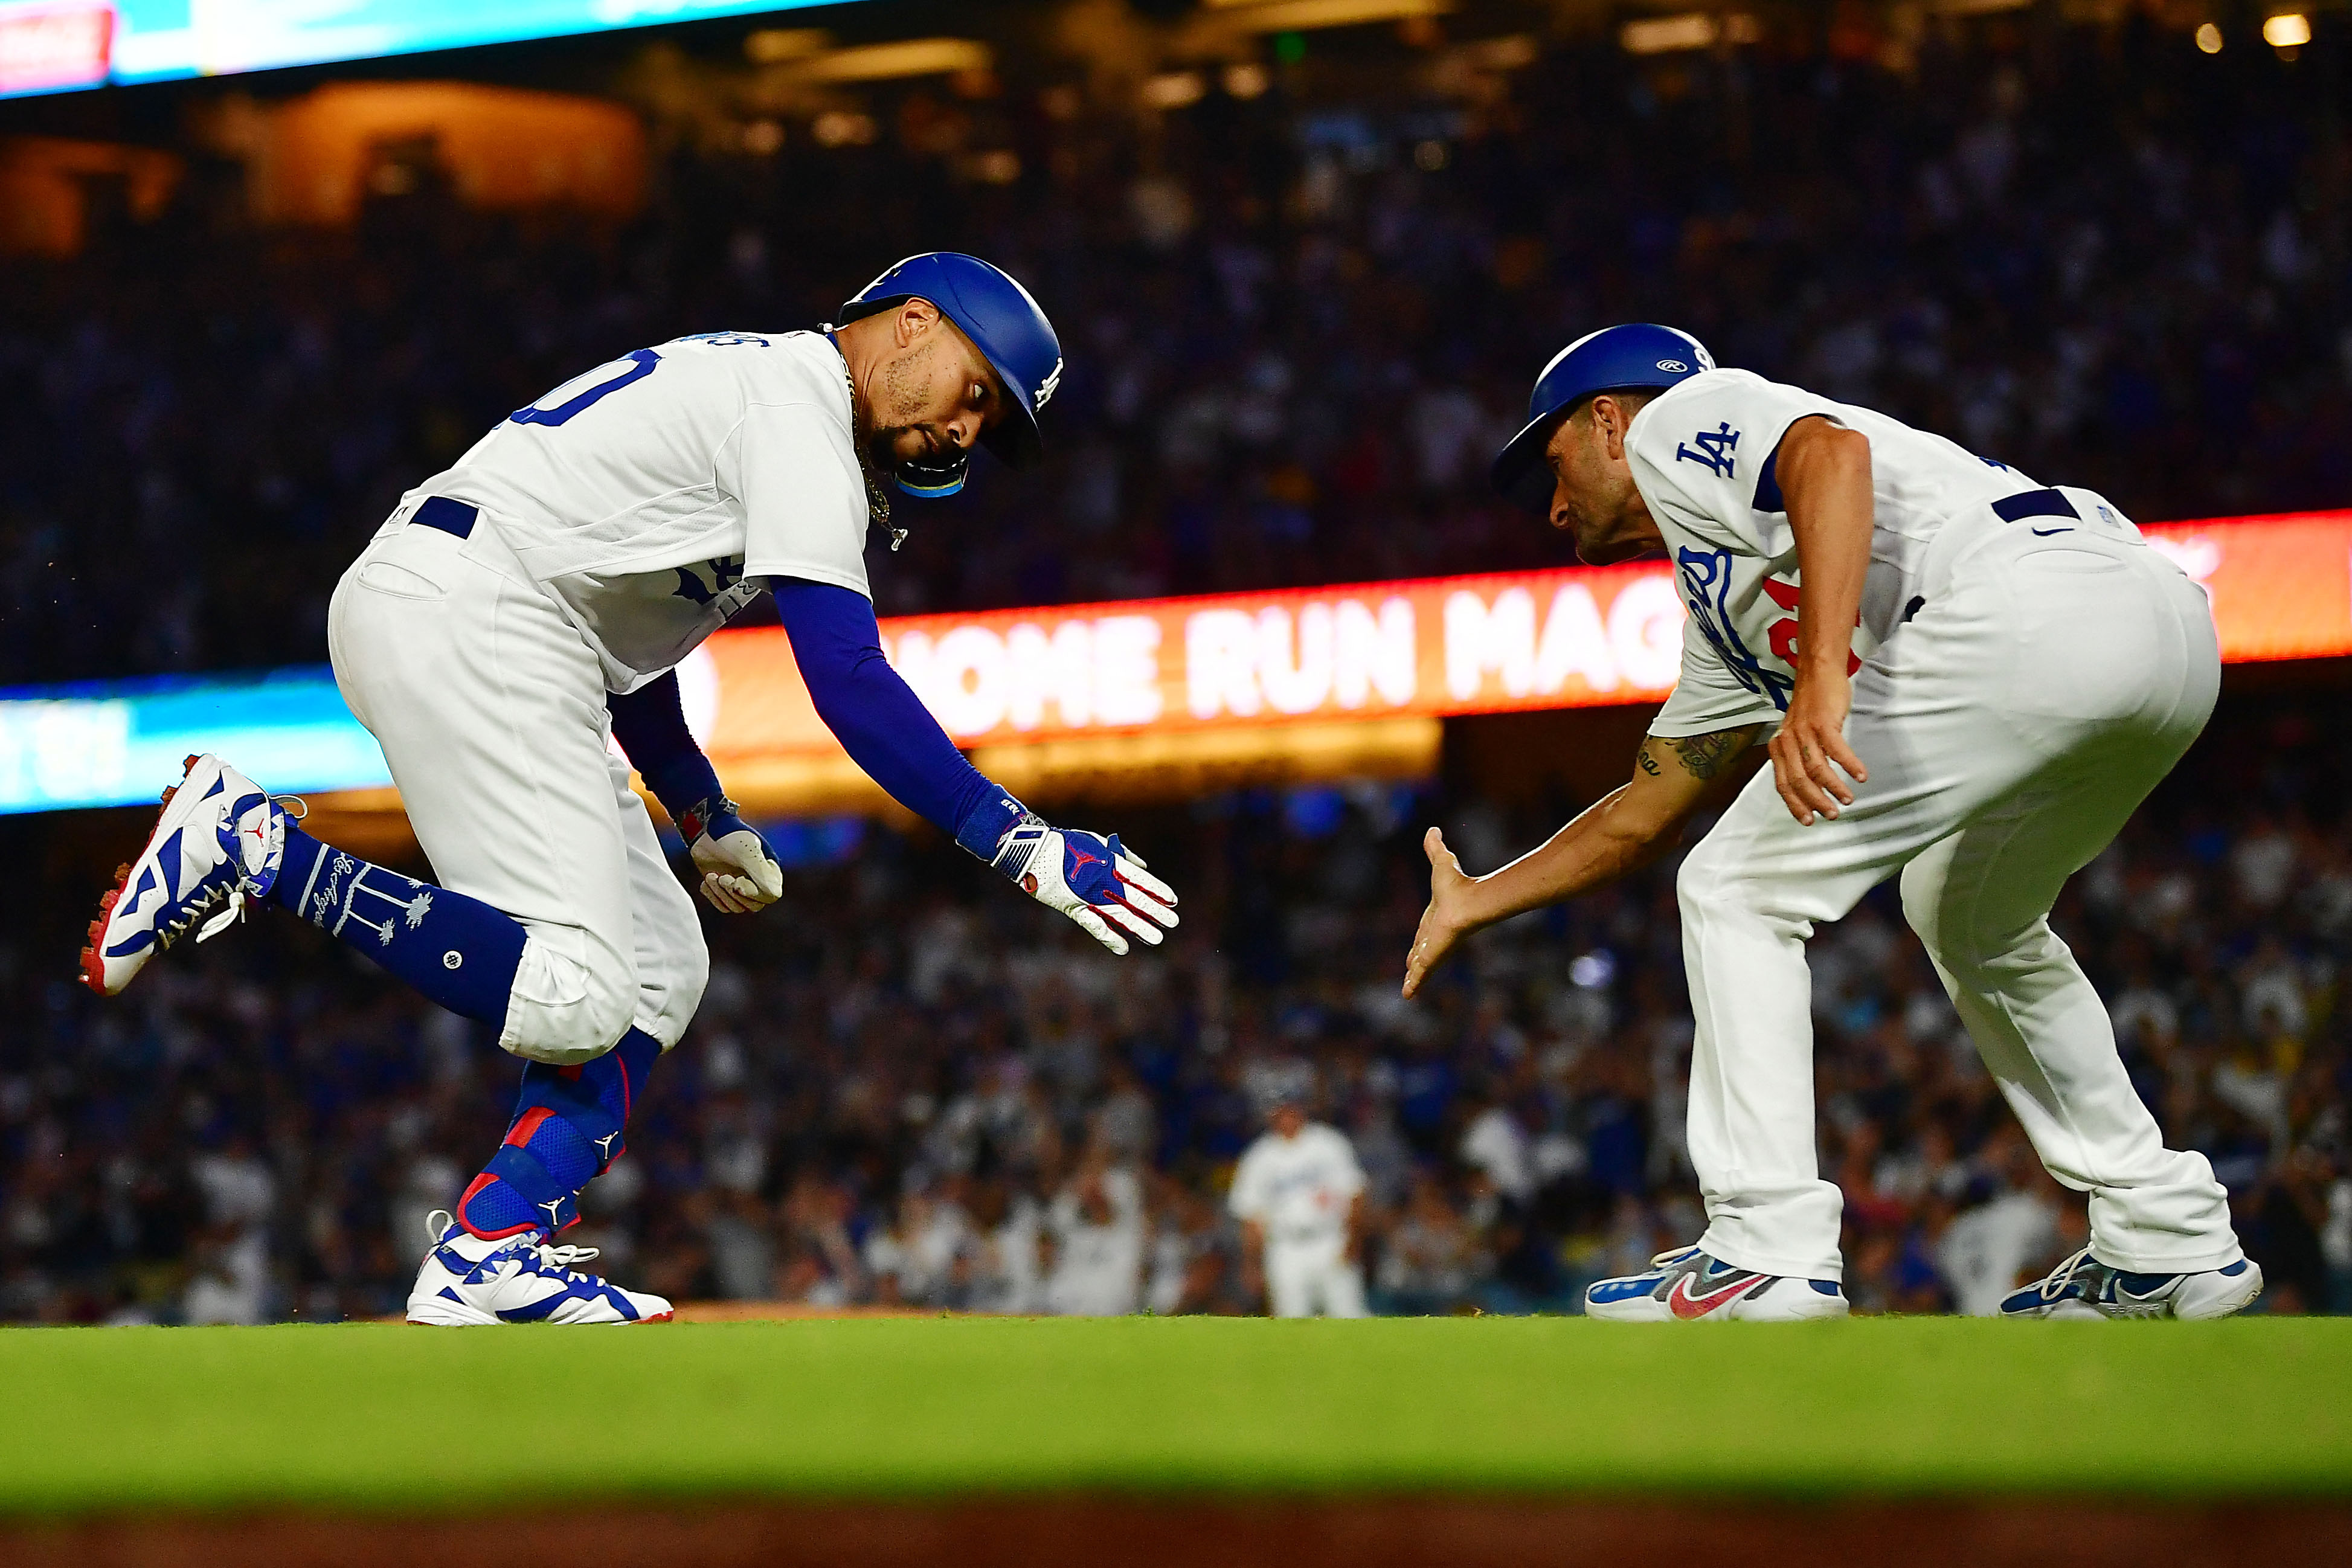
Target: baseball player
[[1960, 676], [528, 606], [1299, 1195]]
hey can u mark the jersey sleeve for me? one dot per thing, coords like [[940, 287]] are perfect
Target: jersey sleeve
[[1703, 453], [1707, 696], [803, 496], [1702, 457]]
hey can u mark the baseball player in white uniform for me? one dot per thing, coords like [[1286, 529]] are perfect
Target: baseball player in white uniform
[[1299, 1193], [1963, 678], [525, 608]]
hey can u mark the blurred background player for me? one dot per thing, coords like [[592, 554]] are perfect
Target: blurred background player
[[528, 606], [1964, 678], [1299, 1195]]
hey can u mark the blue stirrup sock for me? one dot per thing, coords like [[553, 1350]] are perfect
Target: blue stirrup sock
[[462, 953], [459, 952], [567, 1131]]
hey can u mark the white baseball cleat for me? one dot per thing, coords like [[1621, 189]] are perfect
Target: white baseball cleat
[[466, 1281], [1687, 1286], [218, 842], [2083, 1287]]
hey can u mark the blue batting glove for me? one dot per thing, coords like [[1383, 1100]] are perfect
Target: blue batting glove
[[1088, 877]]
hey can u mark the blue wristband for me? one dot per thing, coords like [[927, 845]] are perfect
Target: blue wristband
[[984, 827]]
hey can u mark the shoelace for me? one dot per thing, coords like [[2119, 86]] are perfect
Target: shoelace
[[563, 1257], [2054, 1285], [219, 919], [441, 1221], [205, 904]]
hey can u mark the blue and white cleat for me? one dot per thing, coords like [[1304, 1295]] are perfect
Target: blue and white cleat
[[522, 1279], [1687, 1286], [2083, 1287], [219, 841]]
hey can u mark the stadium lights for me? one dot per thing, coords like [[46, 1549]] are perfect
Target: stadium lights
[[1246, 80], [844, 128], [1306, 15], [890, 62], [2209, 38], [1691, 30], [2291, 31], [1174, 89], [773, 45]]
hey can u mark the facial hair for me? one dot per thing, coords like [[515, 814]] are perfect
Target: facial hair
[[896, 407]]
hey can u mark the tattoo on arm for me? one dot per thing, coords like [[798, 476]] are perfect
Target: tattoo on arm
[[1700, 756]]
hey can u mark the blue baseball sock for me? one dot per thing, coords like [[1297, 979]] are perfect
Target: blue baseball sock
[[459, 952], [566, 1132]]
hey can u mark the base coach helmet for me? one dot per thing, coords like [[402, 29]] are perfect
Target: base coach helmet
[[1638, 354]]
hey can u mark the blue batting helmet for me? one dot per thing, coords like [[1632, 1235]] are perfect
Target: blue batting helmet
[[1638, 354], [1007, 327]]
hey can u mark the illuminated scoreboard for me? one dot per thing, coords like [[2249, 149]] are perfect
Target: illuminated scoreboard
[[58, 46]]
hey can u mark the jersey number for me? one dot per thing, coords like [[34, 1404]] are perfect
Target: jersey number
[[641, 365], [1782, 634]]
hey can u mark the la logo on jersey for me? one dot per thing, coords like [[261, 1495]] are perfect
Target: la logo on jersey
[[1715, 451]]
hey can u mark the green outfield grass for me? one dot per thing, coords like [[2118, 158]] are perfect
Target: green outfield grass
[[399, 1417]]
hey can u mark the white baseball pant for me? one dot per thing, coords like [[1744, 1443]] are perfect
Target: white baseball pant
[[1311, 1275], [2051, 678], [490, 709]]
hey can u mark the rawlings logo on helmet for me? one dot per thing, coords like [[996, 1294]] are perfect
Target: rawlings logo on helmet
[[1672, 366], [1048, 387]]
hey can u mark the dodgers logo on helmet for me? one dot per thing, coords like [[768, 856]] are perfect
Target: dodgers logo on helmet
[[989, 307]]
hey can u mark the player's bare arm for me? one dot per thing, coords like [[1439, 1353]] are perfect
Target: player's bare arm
[[1675, 778], [1825, 472]]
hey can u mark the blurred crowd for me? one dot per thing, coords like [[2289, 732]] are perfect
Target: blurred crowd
[[1296, 324], [942, 1097]]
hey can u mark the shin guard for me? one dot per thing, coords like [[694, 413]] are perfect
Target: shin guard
[[567, 1131]]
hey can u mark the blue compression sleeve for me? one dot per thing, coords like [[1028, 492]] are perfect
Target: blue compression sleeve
[[650, 724], [882, 724]]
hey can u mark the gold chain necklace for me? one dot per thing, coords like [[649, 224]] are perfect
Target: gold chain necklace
[[877, 497]]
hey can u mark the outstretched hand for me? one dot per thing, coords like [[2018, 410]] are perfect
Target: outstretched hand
[[1094, 879], [1446, 920], [1811, 749]]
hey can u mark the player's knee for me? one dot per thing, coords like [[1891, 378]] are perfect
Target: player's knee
[[670, 988], [573, 998], [1923, 905]]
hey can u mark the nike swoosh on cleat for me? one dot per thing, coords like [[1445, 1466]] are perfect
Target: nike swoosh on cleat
[[1683, 1304]]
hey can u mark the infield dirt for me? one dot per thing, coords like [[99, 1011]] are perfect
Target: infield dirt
[[1108, 1534]]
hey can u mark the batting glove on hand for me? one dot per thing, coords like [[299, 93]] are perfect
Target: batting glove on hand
[[739, 873], [1089, 878]]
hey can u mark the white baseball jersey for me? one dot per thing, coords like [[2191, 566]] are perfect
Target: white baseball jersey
[[651, 495], [1702, 454], [1299, 1188]]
